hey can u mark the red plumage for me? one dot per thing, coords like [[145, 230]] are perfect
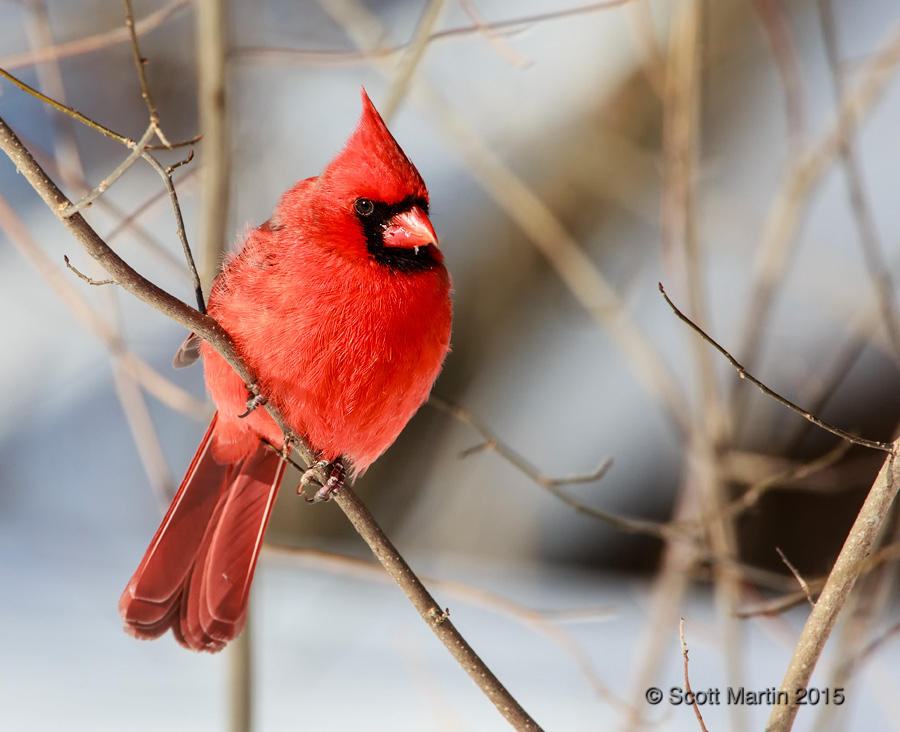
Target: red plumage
[[340, 304]]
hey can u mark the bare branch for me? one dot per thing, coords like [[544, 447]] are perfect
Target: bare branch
[[889, 553], [687, 680], [849, 565], [794, 571], [744, 374], [136, 153], [139, 150], [552, 484], [433, 615], [543, 622], [166, 175], [73, 113], [139, 62], [84, 277], [123, 274]]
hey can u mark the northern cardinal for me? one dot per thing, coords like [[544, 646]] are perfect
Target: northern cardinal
[[340, 304]]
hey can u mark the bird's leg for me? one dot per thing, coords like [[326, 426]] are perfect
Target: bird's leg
[[329, 475], [254, 399], [286, 448]]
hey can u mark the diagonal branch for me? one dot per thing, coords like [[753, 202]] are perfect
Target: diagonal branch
[[126, 277], [744, 374], [849, 565]]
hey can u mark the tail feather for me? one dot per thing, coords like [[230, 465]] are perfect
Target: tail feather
[[189, 629], [195, 576], [214, 607], [147, 603]]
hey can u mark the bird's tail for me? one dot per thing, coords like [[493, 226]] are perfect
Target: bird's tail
[[195, 575]]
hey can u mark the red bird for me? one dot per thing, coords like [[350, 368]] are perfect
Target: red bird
[[340, 304]]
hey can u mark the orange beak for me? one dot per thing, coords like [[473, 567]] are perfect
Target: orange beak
[[410, 230]]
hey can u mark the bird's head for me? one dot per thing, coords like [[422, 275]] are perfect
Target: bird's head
[[371, 201]]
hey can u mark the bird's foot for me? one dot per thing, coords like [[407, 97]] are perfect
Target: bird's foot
[[254, 399], [329, 476]]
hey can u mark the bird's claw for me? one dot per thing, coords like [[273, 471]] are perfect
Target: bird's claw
[[329, 476], [254, 400]]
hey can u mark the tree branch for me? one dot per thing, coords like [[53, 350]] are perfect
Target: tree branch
[[436, 618], [849, 565]]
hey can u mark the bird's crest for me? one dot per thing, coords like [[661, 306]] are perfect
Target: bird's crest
[[372, 157]]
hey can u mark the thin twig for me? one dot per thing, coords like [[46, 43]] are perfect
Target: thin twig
[[137, 151], [744, 374], [84, 119], [140, 62], [777, 605], [73, 113], [794, 571], [687, 680], [174, 166], [551, 484], [129, 222], [82, 276], [166, 175]]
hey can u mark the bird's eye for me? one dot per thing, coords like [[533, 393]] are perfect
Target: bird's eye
[[364, 207]]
